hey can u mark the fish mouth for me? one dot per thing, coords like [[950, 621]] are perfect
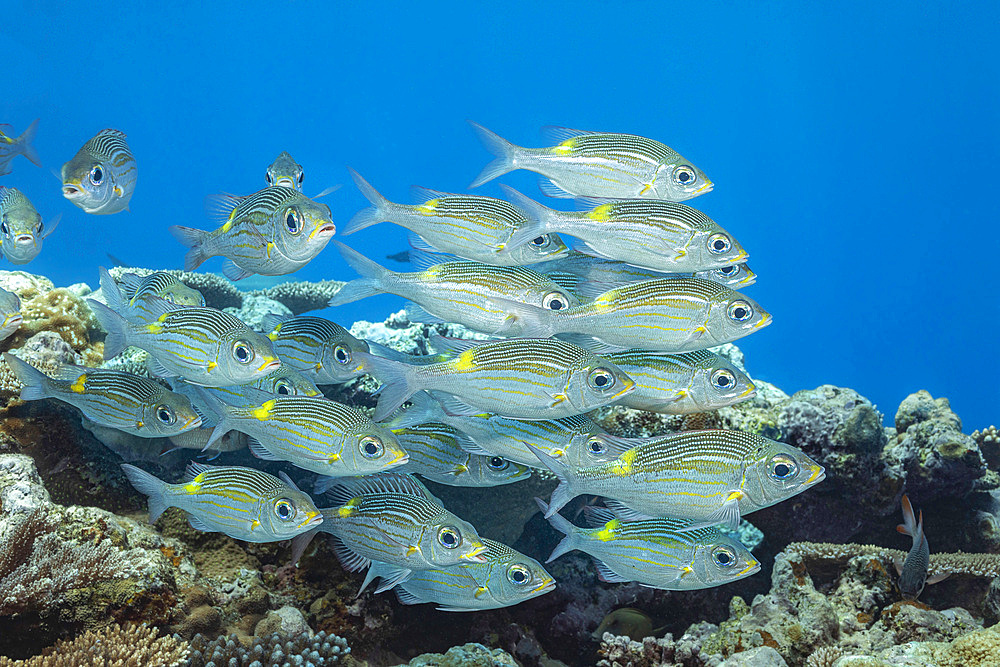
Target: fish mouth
[[70, 190], [285, 183], [705, 187], [25, 239], [13, 320], [400, 459], [763, 322], [270, 363], [191, 423], [323, 230], [545, 586], [749, 393], [313, 519], [476, 555], [629, 386], [753, 567], [818, 474]]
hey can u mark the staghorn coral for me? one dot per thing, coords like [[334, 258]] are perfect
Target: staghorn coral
[[956, 564], [824, 657], [275, 650], [111, 646]]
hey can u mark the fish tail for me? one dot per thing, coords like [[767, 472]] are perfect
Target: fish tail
[[115, 325], [206, 401], [539, 217], [911, 525], [25, 142], [397, 378], [503, 149], [562, 493], [150, 486], [374, 277], [36, 383], [111, 292], [560, 523], [373, 214], [194, 239]]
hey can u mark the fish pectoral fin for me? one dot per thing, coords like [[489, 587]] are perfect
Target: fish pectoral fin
[[481, 591], [558, 399], [728, 516]]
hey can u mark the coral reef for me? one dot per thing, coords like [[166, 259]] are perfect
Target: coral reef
[[111, 646], [305, 649], [467, 655]]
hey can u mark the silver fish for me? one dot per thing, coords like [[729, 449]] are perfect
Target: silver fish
[[468, 226], [913, 569], [577, 269], [203, 345], [322, 350], [100, 179], [707, 477], [273, 232], [652, 234], [159, 284], [11, 147], [282, 382], [467, 293], [118, 400], [436, 453], [597, 164], [680, 384], [666, 315], [286, 172], [657, 553], [243, 503], [577, 441], [311, 433], [507, 578], [10, 311], [392, 519], [524, 378], [21, 228]]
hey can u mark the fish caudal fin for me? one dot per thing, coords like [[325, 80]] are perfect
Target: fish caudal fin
[[373, 214], [560, 523], [911, 525], [194, 239], [397, 380], [373, 277], [539, 217], [562, 493], [36, 383], [25, 141], [503, 149], [150, 486], [116, 326], [208, 401]]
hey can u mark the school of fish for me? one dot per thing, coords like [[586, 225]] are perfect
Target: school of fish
[[615, 303]]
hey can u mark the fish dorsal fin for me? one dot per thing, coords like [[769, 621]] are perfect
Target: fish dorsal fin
[[624, 512], [605, 574], [70, 372], [557, 134], [271, 320], [194, 469], [349, 559], [421, 260], [220, 207], [129, 283], [387, 482], [598, 516], [421, 194]]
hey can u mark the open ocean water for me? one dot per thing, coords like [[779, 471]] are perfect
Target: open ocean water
[[854, 145]]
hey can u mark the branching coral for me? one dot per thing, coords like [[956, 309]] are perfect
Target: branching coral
[[111, 646], [958, 563]]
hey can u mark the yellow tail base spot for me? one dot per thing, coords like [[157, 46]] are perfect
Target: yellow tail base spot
[[194, 486], [465, 361], [350, 508], [429, 207], [601, 214], [565, 148], [607, 533], [80, 385], [622, 466]]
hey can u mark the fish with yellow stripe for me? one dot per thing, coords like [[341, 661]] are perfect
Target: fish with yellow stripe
[[653, 234], [436, 453], [657, 553], [203, 345], [10, 314], [597, 164], [472, 227], [524, 378], [11, 147], [579, 269], [283, 382], [391, 518], [159, 284], [679, 384], [286, 172], [467, 293], [115, 399], [311, 433], [243, 503], [707, 477], [101, 177], [273, 232], [507, 578], [21, 228], [322, 350], [666, 315]]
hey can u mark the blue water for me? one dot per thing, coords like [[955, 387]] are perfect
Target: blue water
[[854, 146]]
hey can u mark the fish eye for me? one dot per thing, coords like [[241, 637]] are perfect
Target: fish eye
[[518, 574], [4, 229], [449, 537], [242, 352], [728, 271], [723, 379], [342, 354], [41, 226], [270, 181], [284, 510], [542, 241], [719, 243], [782, 467], [684, 175], [596, 446], [97, 175], [741, 311], [498, 463], [601, 378], [292, 223], [555, 301], [724, 556], [165, 414], [371, 447], [283, 387], [301, 178]]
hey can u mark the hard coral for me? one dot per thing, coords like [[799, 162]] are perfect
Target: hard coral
[[111, 646], [275, 650], [958, 563]]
